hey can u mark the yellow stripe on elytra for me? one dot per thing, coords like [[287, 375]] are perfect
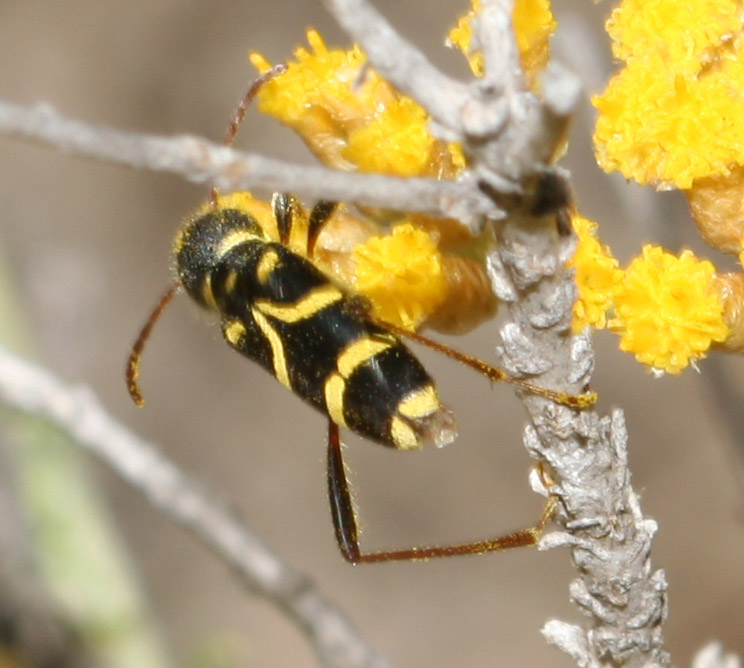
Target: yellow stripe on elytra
[[334, 389], [421, 402], [351, 358], [234, 331], [266, 265], [404, 436], [208, 294], [314, 301], [233, 239], [277, 347], [357, 353], [231, 281]]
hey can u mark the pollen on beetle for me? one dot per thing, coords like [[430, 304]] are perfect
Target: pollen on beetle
[[245, 202]]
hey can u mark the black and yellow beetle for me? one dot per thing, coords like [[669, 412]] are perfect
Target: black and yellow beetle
[[319, 340]]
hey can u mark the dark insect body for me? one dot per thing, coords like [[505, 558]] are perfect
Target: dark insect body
[[280, 310], [321, 342]]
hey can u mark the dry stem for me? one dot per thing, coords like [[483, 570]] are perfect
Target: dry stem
[[76, 411]]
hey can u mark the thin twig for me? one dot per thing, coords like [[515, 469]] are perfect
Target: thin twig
[[77, 411], [400, 62], [713, 656], [200, 161], [501, 66]]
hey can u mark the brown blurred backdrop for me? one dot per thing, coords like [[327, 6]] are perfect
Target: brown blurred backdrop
[[89, 247]]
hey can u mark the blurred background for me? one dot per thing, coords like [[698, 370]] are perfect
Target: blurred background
[[87, 246]]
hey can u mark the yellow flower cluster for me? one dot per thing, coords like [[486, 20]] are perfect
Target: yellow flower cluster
[[596, 275], [683, 33], [673, 117], [675, 113], [668, 310], [399, 129], [352, 118], [533, 25], [402, 275]]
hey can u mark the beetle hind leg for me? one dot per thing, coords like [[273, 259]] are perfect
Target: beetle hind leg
[[347, 532], [319, 216]]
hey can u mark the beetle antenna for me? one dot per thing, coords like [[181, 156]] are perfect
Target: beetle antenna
[[135, 355], [242, 108]]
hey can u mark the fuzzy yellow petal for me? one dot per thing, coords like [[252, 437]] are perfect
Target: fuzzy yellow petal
[[684, 34], [533, 24], [395, 141], [668, 131], [667, 310], [352, 118], [675, 112]]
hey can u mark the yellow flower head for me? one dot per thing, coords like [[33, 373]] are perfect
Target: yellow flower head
[[401, 274], [683, 34], [667, 311], [400, 132], [675, 113], [319, 78], [352, 118], [597, 276], [533, 25], [668, 130]]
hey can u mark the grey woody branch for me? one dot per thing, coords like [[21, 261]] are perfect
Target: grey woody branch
[[202, 161], [77, 411], [401, 63]]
